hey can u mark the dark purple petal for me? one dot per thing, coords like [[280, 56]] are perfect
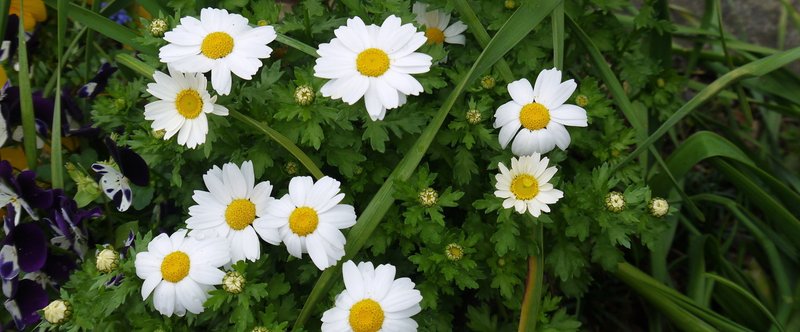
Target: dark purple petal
[[131, 165], [12, 29], [98, 83], [30, 191], [6, 171], [69, 104], [8, 219], [59, 267], [30, 298], [31, 247], [115, 281]]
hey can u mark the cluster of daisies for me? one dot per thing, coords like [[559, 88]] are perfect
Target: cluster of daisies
[[370, 62], [535, 120], [225, 225]]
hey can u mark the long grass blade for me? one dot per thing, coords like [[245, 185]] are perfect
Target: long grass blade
[[479, 32], [56, 163], [285, 142], [26, 96], [782, 218], [522, 22], [746, 295], [104, 26], [756, 68], [296, 44]]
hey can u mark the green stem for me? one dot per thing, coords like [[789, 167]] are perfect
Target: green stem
[[25, 96], [296, 44], [532, 300], [283, 141]]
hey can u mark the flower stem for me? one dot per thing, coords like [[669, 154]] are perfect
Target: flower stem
[[282, 140], [532, 300]]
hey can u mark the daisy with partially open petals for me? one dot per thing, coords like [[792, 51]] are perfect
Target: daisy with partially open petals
[[229, 207], [373, 300], [374, 62], [308, 220], [182, 108], [526, 186], [540, 112], [181, 270], [219, 42], [438, 29]]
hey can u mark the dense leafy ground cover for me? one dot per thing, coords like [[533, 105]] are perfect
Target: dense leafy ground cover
[[673, 204]]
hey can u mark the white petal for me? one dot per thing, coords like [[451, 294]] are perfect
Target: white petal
[[521, 91]]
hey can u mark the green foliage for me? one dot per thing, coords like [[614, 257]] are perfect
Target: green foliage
[[422, 181]]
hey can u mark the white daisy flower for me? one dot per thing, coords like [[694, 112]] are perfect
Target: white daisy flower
[[229, 207], [182, 108], [436, 25], [541, 112], [220, 42], [373, 300], [181, 270], [526, 186], [374, 62], [308, 220]]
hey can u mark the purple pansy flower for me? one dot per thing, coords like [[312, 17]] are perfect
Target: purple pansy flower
[[22, 192], [67, 221], [98, 83], [26, 298]]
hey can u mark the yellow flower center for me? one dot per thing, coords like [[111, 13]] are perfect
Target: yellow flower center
[[175, 266], [189, 103], [217, 45], [524, 187], [303, 221], [240, 213], [372, 62], [435, 36], [366, 316], [534, 116]]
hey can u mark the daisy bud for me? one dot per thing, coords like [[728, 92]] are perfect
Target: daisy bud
[[233, 282], [57, 312], [358, 170], [615, 201], [107, 260], [158, 27], [454, 252], [290, 167], [262, 23], [488, 82], [501, 262], [581, 100], [658, 207], [473, 117], [428, 197], [260, 329], [510, 4], [159, 134], [304, 95], [660, 82]]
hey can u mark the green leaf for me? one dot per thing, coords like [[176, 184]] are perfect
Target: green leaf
[[104, 26], [26, 99]]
